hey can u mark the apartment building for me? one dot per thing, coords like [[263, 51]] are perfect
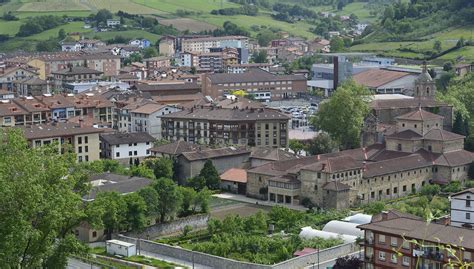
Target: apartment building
[[262, 84], [204, 44], [214, 125], [147, 118], [389, 242], [127, 148], [46, 64], [75, 74], [462, 209], [83, 140], [420, 152], [8, 76]]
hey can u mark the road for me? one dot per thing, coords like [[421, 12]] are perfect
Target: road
[[77, 264]]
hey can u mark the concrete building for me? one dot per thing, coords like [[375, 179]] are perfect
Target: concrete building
[[389, 242], [204, 44], [462, 209], [75, 75], [167, 46], [147, 118], [32, 86], [83, 140], [256, 82], [386, 81], [221, 126], [127, 148], [9, 76], [419, 152]]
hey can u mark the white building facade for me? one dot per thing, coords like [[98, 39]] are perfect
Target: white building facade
[[148, 118], [462, 209]]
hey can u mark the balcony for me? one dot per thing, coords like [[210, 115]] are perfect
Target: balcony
[[367, 242]]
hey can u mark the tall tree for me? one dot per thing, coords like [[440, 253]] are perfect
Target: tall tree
[[151, 198], [114, 208], [40, 203], [210, 174], [343, 115], [136, 211], [322, 144], [296, 146], [169, 198], [337, 44]]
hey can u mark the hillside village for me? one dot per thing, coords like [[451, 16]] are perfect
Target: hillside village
[[229, 149]]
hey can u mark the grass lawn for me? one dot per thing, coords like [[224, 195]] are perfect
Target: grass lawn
[[9, 27], [215, 202], [466, 52], [190, 5], [131, 34]]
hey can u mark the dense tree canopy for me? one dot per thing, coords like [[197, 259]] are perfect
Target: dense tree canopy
[[343, 115]]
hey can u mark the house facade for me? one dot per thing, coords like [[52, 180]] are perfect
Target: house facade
[[462, 209], [127, 148]]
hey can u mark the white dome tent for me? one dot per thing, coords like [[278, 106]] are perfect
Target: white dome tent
[[310, 233], [359, 218], [341, 227]]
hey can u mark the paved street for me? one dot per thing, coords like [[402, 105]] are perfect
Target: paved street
[[77, 264]]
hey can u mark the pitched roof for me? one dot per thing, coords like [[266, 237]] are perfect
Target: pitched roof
[[77, 70], [108, 182], [471, 190], [406, 135], [336, 186], [411, 228], [228, 114], [406, 103], [40, 131], [414, 161], [127, 138], [442, 135], [374, 78], [254, 75], [235, 175], [272, 154], [214, 153], [176, 148], [419, 115], [148, 108]]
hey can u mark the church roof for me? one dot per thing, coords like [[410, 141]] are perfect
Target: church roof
[[419, 115], [424, 77], [406, 135], [442, 135]]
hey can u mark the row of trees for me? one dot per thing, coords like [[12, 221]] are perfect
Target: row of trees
[[248, 10], [39, 24]]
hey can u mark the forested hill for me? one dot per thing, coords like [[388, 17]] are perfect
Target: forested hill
[[404, 20]]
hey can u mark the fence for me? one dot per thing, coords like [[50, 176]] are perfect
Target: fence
[[220, 262]]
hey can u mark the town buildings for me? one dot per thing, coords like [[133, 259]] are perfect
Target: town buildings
[[398, 240], [262, 84], [462, 209], [214, 125], [419, 152], [74, 75], [148, 118], [84, 141], [127, 148]]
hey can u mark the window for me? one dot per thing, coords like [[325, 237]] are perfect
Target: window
[[86, 148], [135, 153], [372, 195], [381, 238], [388, 191], [468, 201], [399, 147], [404, 187], [129, 153], [86, 139], [79, 140], [406, 245], [393, 241], [381, 255], [430, 148], [394, 258], [87, 158], [117, 154], [94, 234], [406, 261], [468, 215], [79, 149], [395, 190], [80, 159]]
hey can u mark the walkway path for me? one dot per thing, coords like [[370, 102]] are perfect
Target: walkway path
[[245, 199]]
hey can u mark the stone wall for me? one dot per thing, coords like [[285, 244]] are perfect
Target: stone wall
[[220, 262], [176, 226]]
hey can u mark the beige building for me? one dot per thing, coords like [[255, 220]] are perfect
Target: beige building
[[83, 140], [419, 152], [203, 44], [224, 126]]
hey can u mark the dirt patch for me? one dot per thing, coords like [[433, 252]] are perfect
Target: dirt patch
[[243, 210], [192, 25]]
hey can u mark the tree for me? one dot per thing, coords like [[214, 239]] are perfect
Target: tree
[[321, 144], [260, 57], [265, 36], [189, 196], [61, 34], [169, 198], [40, 204], [102, 16], [210, 174], [459, 125], [113, 206], [149, 52], [151, 197], [197, 183], [296, 146], [437, 46], [343, 115], [374, 208], [136, 211], [470, 172], [337, 44], [348, 262], [202, 201], [142, 170]]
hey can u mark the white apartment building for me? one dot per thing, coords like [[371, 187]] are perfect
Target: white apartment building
[[462, 209], [147, 118], [127, 148], [205, 43]]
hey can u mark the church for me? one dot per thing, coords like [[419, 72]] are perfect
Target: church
[[418, 150]]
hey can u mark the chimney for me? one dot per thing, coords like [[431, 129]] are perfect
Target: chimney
[[384, 215], [81, 122], [335, 61], [324, 167]]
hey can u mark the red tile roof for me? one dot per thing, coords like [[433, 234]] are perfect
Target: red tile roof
[[374, 78], [235, 175]]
